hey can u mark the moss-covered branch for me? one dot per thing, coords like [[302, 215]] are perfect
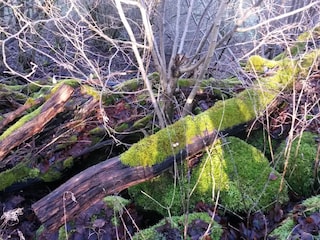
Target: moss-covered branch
[[244, 107]]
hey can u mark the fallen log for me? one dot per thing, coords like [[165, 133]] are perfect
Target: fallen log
[[141, 162], [40, 117], [18, 112], [108, 177]]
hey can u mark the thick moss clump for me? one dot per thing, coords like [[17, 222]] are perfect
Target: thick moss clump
[[178, 223], [242, 175], [260, 140], [300, 171], [259, 64], [234, 169]]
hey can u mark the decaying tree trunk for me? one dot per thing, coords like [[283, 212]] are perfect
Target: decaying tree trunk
[[108, 177], [47, 112]]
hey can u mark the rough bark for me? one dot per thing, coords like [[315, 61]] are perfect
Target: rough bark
[[108, 177], [48, 111]]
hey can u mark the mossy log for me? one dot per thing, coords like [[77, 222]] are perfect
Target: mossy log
[[10, 117], [154, 154], [51, 128], [108, 177], [34, 122], [46, 135]]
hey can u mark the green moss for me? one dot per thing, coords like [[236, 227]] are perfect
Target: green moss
[[30, 101], [129, 85], [141, 123], [70, 82], [284, 231], [36, 112], [258, 64], [33, 87], [98, 131], [136, 83], [121, 127], [16, 174], [91, 91], [308, 61], [51, 175], [312, 205], [235, 169], [40, 230], [246, 106], [314, 33], [162, 190], [185, 82], [300, 46], [72, 139], [20, 123], [98, 94], [211, 82], [178, 222], [68, 163], [117, 203], [62, 235], [241, 173], [300, 170], [8, 91], [143, 98], [43, 92]]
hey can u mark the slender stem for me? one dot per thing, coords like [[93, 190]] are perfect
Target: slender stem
[[135, 49]]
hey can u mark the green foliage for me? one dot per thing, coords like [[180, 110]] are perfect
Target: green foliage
[[301, 163], [178, 223], [235, 169]]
